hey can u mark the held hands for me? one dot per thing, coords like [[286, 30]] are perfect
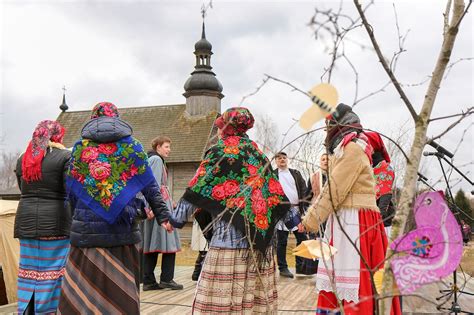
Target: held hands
[[149, 214], [167, 226]]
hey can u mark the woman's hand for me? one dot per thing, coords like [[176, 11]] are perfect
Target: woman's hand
[[149, 214], [167, 226]]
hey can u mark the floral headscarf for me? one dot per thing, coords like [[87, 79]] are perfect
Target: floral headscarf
[[235, 180], [104, 109], [46, 131], [235, 121], [106, 176]]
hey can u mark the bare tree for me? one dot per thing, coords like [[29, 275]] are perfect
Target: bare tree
[[337, 24], [266, 134], [7, 167]]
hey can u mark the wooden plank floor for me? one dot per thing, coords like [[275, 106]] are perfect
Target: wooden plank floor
[[293, 294]]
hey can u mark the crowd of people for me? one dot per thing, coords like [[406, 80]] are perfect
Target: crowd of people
[[93, 221]]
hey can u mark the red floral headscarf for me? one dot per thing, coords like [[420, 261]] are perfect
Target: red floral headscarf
[[47, 130], [375, 140], [104, 109], [235, 121]]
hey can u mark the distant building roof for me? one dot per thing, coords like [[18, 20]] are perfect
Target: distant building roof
[[189, 135]]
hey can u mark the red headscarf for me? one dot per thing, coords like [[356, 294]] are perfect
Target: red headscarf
[[104, 109], [375, 140], [45, 131], [235, 121]]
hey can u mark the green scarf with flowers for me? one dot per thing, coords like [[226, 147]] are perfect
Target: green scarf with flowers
[[235, 181]]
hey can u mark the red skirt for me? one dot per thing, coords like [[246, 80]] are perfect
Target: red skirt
[[373, 244]]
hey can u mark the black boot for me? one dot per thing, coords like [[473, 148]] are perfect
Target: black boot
[[198, 265]]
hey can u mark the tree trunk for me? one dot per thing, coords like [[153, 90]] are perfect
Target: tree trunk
[[421, 126]]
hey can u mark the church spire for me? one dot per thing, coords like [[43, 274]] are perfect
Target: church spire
[[203, 91], [63, 107]]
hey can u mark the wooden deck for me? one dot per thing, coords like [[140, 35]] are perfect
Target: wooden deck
[[293, 294]]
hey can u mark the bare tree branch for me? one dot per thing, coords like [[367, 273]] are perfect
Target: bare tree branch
[[382, 60], [454, 63], [257, 89], [470, 110], [454, 124]]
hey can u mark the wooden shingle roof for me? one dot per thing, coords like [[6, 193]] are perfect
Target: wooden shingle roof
[[189, 135]]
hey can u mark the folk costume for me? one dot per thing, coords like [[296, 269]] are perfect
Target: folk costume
[[384, 177], [43, 219], [108, 168], [235, 191], [155, 238], [348, 204]]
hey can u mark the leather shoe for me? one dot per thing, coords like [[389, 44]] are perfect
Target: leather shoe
[[171, 285], [152, 286], [286, 273]]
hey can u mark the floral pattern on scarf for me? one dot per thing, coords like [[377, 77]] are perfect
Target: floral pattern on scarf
[[104, 109], [235, 121], [236, 176], [107, 175], [45, 131], [384, 176]]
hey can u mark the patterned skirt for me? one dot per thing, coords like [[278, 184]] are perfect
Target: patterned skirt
[[373, 243], [229, 284], [101, 281], [41, 272]]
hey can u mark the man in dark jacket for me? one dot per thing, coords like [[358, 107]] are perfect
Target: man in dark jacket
[[294, 187]]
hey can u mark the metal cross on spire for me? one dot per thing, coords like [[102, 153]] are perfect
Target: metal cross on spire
[[64, 106], [204, 9]]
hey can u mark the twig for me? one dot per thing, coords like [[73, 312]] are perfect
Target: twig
[[257, 89], [454, 124], [469, 110], [382, 60], [452, 64]]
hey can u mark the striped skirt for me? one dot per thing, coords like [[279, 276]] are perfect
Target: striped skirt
[[41, 272], [229, 284], [101, 281]]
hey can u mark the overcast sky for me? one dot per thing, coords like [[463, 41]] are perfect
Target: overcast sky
[[140, 53]]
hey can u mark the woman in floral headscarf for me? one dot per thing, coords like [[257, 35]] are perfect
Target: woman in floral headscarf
[[43, 219], [236, 190], [348, 204], [108, 168]]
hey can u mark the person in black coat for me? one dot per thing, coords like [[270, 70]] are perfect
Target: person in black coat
[[109, 168], [294, 187], [43, 219]]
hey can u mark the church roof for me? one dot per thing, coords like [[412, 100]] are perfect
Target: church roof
[[189, 135]]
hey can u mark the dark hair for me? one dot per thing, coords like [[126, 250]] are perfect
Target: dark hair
[[158, 141], [281, 153]]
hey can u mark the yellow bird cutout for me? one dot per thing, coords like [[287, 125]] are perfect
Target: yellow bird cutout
[[313, 249], [324, 97]]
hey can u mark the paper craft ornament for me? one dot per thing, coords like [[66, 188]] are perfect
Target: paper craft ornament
[[433, 250], [378, 280], [324, 97], [313, 249]]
